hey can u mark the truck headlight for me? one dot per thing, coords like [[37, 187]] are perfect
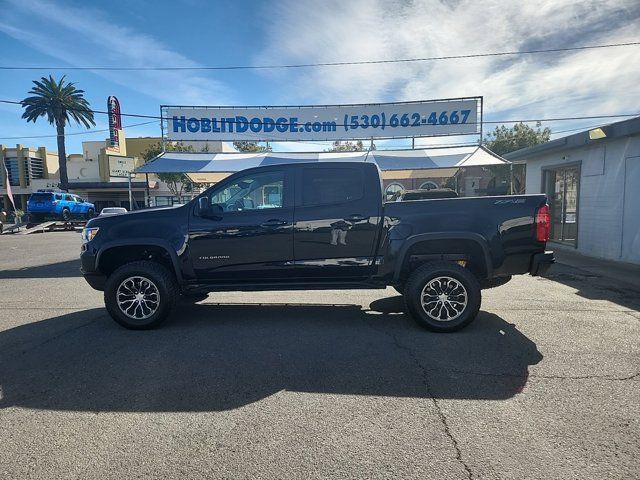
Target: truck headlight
[[89, 234]]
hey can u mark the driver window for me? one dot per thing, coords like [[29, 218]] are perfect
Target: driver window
[[253, 192]]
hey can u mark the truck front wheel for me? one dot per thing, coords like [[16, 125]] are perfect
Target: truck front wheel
[[140, 295], [442, 296]]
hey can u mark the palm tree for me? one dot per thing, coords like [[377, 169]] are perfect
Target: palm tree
[[59, 102]]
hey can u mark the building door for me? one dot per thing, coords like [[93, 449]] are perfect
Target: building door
[[631, 211], [562, 186]]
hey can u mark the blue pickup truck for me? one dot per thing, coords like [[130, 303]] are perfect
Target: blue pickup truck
[[46, 204]]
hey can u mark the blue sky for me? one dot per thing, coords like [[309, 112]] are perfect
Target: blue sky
[[192, 33]]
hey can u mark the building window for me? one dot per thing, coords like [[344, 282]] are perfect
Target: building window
[[36, 168], [163, 201], [14, 172], [428, 185], [392, 190], [562, 186]]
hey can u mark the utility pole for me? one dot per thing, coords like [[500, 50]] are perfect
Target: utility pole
[[130, 194]]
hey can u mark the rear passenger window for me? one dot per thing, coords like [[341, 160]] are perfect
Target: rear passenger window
[[321, 186]]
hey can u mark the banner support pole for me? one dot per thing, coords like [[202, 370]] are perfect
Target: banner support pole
[[130, 194]]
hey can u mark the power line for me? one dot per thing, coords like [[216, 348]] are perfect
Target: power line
[[332, 64], [87, 132]]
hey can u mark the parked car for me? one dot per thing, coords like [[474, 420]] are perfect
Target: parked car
[[327, 228], [59, 205], [107, 211], [424, 194]]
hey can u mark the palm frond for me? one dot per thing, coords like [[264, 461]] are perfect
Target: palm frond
[[59, 101]]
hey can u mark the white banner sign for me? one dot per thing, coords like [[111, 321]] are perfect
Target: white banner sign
[[334, 122], [120, 166]]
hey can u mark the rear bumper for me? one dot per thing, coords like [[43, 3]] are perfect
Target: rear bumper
[[541, 262]]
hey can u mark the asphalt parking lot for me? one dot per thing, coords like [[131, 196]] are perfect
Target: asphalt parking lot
[[544, 384]]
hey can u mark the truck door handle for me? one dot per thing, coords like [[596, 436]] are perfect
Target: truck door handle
[[274, 222], [356, 217]]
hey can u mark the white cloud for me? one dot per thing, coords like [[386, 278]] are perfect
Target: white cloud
[[85, 36], [543, 85]]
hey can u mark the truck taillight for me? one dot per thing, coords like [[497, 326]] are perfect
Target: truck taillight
[[543, 224]]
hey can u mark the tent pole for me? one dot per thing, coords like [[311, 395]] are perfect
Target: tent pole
[[413, 143], [148, 194], [130, 194], [511, 178]]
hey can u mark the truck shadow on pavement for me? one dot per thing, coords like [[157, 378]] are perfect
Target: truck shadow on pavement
[[212, 357], [70, 268], [596, 287]]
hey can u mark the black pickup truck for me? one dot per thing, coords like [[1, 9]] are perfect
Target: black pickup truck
[[312, 226]]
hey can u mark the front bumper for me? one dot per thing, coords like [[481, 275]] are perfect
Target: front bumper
[[96, 280], [94, 277], [541, 262]]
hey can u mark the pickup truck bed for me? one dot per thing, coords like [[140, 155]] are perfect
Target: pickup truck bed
[[315, 226]]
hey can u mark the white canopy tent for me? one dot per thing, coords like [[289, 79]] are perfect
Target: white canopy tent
[[213, 167]]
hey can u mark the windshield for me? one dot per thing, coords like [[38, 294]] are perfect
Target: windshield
[[40, 197]]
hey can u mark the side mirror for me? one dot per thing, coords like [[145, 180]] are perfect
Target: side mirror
[[205, 209], [203, 206]]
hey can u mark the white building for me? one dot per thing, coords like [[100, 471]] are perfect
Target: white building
[[592, 180]]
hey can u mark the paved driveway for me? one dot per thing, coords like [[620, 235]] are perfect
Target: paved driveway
[[544, 384]]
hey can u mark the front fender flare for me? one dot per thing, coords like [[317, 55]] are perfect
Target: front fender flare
[[141, 242]]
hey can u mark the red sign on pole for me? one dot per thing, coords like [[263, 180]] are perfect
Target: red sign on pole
[[115, 121]]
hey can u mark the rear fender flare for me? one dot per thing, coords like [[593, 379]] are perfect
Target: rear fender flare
[[475, 237]]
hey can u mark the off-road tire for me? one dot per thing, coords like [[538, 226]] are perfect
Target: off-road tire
[[90, 213], [66, 214], [162, 278], [424, 274]]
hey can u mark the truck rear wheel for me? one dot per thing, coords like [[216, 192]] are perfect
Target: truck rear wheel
[[140, 295], [442, 296]]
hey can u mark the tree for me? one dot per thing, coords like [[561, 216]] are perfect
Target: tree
[[339, 146], [509, 139], [178, 183], [59, 102], [252, 147], [504, 140]]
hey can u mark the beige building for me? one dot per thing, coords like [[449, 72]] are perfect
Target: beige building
[[27, 166], [102, 172]]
